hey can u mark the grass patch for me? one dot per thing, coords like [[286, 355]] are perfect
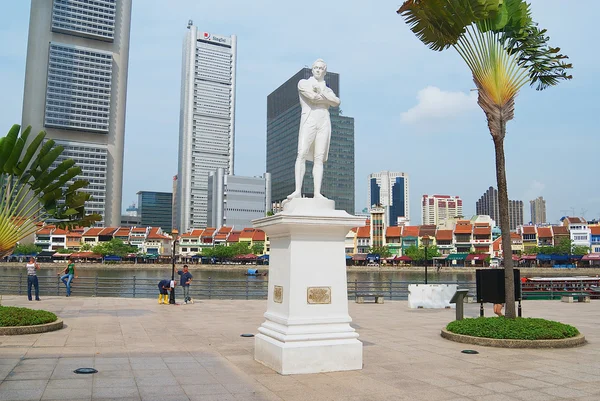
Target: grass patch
[[11, 316], [513, 329]]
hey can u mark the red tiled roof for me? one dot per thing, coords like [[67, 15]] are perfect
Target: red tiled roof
[[514, 235], [595, 230], [234, 236], [220, 236], [225, 230], [46, 230], [463, 227], [427, 230], [363, 232], [193, 234], [108, 231], [72, 234], [59, 231], [259, 235], [528, 230], [247, 233], [154, 234], [443, 235], [392, 232], [122, 232], [482, 230], [93, 232], [410, 231], [208, 232], [497, 243], [572, 220], [544, 232], [560, 230], [138, 230]]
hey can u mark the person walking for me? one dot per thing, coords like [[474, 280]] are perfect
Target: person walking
[[68, 275], [186, 280], [32, 279]]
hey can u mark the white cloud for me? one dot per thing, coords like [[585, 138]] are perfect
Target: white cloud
[[436, 104]]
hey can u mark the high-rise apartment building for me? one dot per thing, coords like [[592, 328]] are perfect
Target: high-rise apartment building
[[75, 90], [283, 124], [155, 209], [437, 209], [234, 201], [538, 210], [488, 204], [206, 123], [390, 190]]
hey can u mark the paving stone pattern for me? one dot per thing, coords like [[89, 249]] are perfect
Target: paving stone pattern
[[146, 351]]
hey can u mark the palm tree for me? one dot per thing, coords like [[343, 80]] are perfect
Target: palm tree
[[31, 192], [505, 50]]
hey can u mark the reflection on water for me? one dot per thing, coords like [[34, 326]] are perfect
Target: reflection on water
[[158, 274]]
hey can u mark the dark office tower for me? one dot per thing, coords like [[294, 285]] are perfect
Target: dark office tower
[[488, 205], [155, 209], [283, 124]]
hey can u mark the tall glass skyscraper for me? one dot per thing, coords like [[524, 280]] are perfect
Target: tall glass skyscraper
[[206, 123], [283, 124], [155, 209], [76, 86], [390, 190]]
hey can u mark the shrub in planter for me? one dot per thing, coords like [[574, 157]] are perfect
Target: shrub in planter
[[11, 316], [513, 329]]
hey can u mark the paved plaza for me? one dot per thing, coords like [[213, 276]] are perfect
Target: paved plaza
[[146, 351]]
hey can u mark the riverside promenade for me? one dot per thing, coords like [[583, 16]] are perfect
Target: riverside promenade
[[146, 351]]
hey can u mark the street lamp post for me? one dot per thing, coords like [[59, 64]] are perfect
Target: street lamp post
[[425, 241], [172, 293]]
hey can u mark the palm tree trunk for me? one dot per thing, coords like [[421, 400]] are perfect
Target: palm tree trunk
[[509, 285]]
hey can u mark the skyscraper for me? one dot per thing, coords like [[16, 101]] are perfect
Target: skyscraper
[[438, 208], [234, 201], [155, 209], [488, 205], [206, 123], [538, 210], [76, 86], [390, 190], [283, 124]]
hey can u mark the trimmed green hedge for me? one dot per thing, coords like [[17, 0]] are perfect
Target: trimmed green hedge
[[11, 316], [513, 329]]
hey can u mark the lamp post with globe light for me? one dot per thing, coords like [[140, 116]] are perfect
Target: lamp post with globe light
[[425, 240], [174, 233]]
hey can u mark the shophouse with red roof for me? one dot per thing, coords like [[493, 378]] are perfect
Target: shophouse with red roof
[[463, 236]]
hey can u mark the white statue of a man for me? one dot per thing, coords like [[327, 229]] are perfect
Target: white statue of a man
[[315, 127]]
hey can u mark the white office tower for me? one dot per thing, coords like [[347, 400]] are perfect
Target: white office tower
[[76, 86], [206, 124], [438, 209]]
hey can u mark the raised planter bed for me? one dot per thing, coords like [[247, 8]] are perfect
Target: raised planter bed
[[576, 341]]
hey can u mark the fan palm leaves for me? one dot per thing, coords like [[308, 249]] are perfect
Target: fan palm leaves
[[505, 50], [31, 192]]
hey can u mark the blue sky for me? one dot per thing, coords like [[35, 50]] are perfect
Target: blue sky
[[414, 109]]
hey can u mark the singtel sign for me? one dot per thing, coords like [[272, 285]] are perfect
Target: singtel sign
[[214, 38]]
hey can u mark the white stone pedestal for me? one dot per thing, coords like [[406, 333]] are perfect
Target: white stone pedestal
[[307, 327]]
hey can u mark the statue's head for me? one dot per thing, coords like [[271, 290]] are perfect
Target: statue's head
[[319, 68]]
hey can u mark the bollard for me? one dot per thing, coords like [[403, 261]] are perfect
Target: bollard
[[458, 298]]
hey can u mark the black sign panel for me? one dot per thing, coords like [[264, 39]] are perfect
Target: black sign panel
[[490, 285]]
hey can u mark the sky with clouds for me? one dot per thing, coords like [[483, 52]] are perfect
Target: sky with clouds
[[414, 108]]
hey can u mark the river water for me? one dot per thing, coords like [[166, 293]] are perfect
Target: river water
[[158, 273]]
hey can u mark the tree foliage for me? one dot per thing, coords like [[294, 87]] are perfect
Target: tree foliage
[[382, 251], [504, 49], [27, 249], [418, 253], [114, 247], [35, 187]]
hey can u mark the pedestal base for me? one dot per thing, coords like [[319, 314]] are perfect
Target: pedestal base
[[307, 327], [303, 357]]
